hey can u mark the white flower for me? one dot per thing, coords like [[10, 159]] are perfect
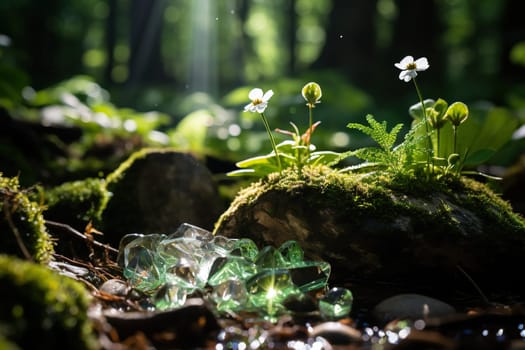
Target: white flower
[[259, 100], [409, 67]]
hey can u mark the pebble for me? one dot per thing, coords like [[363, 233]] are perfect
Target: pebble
[[412, 307], [336, 333]]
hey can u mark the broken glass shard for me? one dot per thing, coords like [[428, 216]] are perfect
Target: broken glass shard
[[336, 304]]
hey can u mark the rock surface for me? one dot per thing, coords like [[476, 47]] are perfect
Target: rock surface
[[155, 191], [437, 237]]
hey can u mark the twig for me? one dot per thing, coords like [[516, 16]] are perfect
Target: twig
[[81, 236], [15, 231], [475, 285]]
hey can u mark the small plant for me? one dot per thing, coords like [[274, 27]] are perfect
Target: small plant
[[259, 104], [409, 69], [295, 153]]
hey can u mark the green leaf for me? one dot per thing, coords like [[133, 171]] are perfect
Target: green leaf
[[328, 158], [242, 172], [479, 156], [485, 129], [191, 132], [254, 161]]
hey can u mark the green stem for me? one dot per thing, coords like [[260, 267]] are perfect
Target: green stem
[[267, 126], [438, 142], [310, 117], [455, 137], [429, 142]]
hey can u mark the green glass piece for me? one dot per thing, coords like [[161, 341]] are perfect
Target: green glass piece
[[231, 268], [267, 304], [124, 241], [336, 304], [291, 252], [142, 267], [170, 296], [270, 258], [182, 273], [245, 248], [310, 275], [186, 230], [230, 295], [269, 281], [268, 289], [224, 243], [171, 250]]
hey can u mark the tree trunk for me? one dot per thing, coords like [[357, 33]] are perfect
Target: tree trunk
[[350, 39], [110, 40], [292, 37], [512, 33]]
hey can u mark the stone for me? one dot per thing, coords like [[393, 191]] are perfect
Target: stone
[[411, 307], [155, 191], [404, 232], [336, 333], [115, 287], [188, 327]]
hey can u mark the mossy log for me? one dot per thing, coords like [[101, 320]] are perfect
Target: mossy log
[[418, 235]]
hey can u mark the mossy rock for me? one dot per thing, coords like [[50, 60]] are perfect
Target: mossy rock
[[41, 309], [77, 203], [22, 228], [416, 235], [157, 190]]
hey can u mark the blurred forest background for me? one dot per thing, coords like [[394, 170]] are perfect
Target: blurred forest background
[[85, 82]]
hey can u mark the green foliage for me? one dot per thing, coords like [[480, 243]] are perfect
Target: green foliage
[[41, 307], [296, 153], [13, 79], [435, 145], [106, 134], [341, 102], [517, 54], [22, 228]]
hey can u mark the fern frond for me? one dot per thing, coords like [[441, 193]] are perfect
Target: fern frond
[[378, 132]]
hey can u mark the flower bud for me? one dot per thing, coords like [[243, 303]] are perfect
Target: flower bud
[[436, 114], [312, 94]]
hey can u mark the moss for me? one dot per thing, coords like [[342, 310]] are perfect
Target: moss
[[317, 187], [116, 175], [41, 307], [22, 223], [77, 203]]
